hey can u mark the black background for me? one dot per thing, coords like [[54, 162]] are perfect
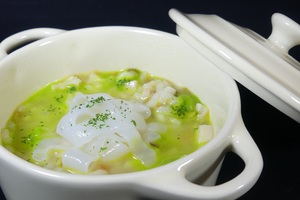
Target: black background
[[274, 133]]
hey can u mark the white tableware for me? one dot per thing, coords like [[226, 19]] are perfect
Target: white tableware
[[58, 53], [262, 65]]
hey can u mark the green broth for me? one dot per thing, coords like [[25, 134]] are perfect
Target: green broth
[[37, 117]]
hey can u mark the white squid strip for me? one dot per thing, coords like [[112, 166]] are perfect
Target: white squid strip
[[139, 148], [75, 159], [108, 148], [101, 127], [46, 145], [117, 150]]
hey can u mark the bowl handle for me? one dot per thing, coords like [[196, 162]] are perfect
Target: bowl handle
[[24, 37], [174, 185]]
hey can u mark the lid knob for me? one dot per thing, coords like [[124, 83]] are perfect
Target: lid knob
[[285, 33]]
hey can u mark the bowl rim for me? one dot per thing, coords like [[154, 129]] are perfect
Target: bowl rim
[[40, 172]]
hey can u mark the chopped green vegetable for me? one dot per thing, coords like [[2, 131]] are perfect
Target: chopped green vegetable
[[185, 106], [121, 82], [93, 102]]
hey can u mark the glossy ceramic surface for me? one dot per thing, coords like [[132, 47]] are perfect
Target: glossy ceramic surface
[[262, 65], [63, 53]]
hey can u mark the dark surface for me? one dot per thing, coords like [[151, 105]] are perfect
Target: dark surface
[[274, 133]]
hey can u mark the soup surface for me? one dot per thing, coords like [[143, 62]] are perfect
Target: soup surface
[[107, 122]]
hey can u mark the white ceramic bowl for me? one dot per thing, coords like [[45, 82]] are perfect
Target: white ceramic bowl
[[59, 53]]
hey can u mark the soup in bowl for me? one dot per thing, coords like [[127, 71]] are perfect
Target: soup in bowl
[[107, 123], [107, 50]]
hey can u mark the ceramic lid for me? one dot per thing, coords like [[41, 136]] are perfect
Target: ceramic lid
[[262, 65]]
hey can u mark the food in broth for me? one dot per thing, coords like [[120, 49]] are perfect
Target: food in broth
[[108, 122]]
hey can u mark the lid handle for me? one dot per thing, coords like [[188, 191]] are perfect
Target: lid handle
[[285, 33]]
